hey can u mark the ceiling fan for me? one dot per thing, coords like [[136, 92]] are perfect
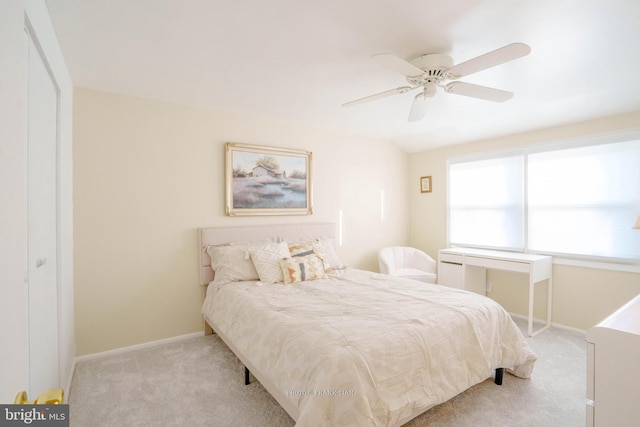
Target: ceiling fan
[[428, 72]]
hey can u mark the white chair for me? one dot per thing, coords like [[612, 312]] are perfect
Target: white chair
[[410, 263]]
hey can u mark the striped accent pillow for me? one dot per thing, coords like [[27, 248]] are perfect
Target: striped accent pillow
[[307, 248], [303, 268]]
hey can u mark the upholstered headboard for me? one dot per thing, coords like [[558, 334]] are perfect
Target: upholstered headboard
[[286, 232]]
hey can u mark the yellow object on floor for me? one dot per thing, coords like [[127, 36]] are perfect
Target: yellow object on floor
[[54, 396]]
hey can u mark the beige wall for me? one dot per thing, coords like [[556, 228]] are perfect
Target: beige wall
[[148, 174], [581, 296]]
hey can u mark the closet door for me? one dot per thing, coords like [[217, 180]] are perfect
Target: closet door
[[42, 272]]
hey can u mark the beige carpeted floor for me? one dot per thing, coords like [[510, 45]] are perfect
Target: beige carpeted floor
[[199, 382]]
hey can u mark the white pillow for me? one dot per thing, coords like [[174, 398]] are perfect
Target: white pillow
[[231, 262], [330, 255], [266, 260]]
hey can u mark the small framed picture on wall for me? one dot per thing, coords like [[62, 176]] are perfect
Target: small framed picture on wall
[[425, 184]]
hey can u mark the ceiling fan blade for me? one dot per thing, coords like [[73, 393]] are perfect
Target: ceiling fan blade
[[477, 91], [384, 94], [488, 60], [418, 108], [397, 64]]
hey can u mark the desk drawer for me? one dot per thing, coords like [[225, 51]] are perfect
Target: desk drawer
[[498, 264], [451, 274], [451, 258]]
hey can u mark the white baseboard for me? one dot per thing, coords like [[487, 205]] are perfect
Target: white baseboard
[[555, 325], [128, 349]]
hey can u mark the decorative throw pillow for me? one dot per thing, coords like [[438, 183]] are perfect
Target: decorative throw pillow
[[306, 247], [321, 246], [266, 260], [302, 268]]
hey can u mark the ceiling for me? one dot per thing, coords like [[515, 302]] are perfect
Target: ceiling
[[300, 60]]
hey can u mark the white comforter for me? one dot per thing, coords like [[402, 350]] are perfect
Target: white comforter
[[364, 349]]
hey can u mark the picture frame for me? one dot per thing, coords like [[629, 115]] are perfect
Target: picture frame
[[261, 180], [425, 184]]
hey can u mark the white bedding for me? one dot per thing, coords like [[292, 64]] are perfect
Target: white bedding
[[365, 349]]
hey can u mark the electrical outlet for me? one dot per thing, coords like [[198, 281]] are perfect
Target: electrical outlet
[[489, 287]]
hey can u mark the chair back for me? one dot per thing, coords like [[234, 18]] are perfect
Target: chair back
[[395, 257]]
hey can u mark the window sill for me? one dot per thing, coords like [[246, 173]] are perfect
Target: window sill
[[630, 268]]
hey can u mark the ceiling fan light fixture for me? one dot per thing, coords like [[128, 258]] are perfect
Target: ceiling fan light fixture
[[430, 89]]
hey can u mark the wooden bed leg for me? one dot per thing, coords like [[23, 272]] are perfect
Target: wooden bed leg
[[246, 376], [207, 329], [499, 373]]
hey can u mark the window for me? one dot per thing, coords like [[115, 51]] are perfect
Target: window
[[489, 193], [574, 201]]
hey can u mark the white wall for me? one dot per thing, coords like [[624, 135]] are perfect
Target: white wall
[[581, 296], [14, 368], [13, 304], [38, 17], [147, 174]]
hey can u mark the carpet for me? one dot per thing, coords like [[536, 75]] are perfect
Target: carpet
[[199, 382]]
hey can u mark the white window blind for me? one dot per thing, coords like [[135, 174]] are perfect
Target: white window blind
[[584, 200], [579, 201], [486, 203]]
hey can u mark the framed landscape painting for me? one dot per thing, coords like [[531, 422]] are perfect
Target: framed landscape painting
[[263, 180]]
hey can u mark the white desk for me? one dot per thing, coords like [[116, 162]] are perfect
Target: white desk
[[465, 268]]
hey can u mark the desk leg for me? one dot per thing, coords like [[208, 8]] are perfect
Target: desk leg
[[550, 292], [531, 296], [549, 299]]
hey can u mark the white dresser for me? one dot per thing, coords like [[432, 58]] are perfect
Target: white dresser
[[613, 369]]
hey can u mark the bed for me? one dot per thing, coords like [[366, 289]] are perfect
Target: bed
[[340, 346]]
